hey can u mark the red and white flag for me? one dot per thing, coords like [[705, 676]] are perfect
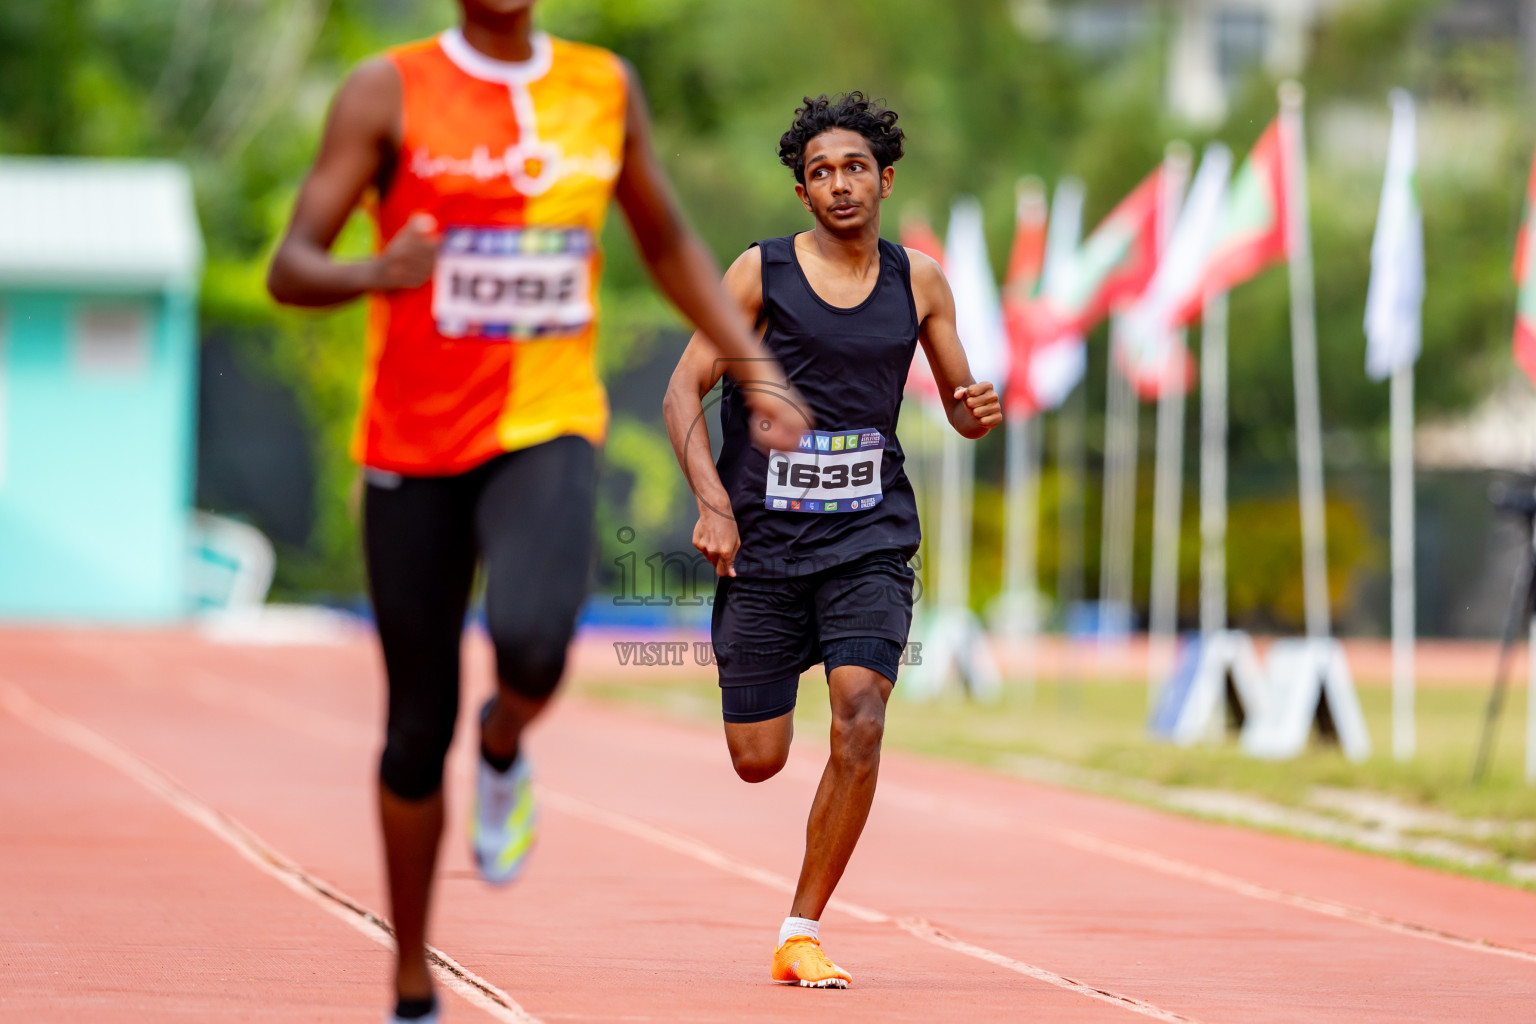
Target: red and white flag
[[1025, 262], [1027, 257], [1111, 268], [1525, 277], [1151, 351], [1055, 361], [1251, 234], [916, 233]]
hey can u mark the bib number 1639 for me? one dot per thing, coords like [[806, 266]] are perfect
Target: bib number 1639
[[808, 476], [828, 473]]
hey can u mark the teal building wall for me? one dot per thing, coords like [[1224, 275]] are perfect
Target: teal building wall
[[96, 459]]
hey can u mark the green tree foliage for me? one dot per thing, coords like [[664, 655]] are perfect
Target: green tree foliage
[[238, 90]]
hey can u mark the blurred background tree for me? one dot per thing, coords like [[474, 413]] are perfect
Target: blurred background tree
[[987, 91]]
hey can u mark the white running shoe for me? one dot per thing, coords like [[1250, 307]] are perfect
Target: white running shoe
[[501, 824]]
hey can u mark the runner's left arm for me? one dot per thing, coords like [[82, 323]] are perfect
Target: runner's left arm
[[699, 369], [972, 407], [686, 272]]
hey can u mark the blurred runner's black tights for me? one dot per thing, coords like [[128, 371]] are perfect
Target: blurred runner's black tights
[[526, 517]]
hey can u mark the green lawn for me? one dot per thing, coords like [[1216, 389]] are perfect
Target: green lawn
[[1099, 726]]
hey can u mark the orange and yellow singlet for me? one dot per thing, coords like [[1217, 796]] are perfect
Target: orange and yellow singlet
[[517, 163]]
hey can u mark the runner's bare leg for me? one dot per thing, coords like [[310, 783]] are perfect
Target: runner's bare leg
[[847, 789], [412, 831], [503, 728]]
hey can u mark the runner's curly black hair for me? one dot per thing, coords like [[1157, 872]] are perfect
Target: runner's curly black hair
[[853, 111]]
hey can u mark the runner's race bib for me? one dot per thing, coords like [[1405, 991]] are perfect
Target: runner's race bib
[[830, 472], [517, 284]]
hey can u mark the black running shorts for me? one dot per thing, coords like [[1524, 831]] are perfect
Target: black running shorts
[[768, 631]]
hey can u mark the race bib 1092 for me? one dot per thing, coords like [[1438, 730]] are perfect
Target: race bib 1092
[[517, 284], [829, 472]]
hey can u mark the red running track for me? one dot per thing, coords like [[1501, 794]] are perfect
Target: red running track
[[186, 833]]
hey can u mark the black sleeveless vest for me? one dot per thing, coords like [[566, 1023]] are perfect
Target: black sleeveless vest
[[850, 366]]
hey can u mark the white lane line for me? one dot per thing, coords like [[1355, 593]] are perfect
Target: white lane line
[[930, 803], [928, 933], [1340, 911], [475, 989], [690, 847], [291, 715]]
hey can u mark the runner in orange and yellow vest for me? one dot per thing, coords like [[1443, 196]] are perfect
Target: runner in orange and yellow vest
[[488, 156]]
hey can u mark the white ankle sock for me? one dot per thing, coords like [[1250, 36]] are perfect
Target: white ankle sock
[[798, 926]]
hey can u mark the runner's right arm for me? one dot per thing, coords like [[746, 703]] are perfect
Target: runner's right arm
[[686, 272], [362, 134], [697, 372], [971, 407]]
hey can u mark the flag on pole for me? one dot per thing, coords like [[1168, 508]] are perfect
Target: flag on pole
[[1025, 263], [1252, 232], [978, 312], [1525, 276], [918, 235], [1027, 257], [1395, 299], [1056, 362], [1150, 351], [1112, 267]]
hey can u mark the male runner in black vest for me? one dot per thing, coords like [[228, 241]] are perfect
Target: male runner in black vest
[[811, 546]]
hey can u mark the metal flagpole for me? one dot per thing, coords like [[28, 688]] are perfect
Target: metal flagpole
[[965, 455], [1309, 441], [1168, 463], [1013, 514], [1124, 566], [1403, 739], [1530, 707], [1120, 444], [1109, 491], [951, 571], [923, 464], [1167, 511], [1070, 477], [1213, 467], [1021, 540]]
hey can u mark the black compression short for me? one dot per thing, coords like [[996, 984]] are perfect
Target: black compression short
[[768, 631], [526, 519]]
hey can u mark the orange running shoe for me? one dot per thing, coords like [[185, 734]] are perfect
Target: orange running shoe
[[800, 961]]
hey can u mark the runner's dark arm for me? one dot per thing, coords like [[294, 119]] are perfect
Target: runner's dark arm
[[976, 410], [698, 370], [686, 272], [361, 130]]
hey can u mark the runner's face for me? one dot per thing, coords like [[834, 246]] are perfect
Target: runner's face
[[843, 182], [480, 10]]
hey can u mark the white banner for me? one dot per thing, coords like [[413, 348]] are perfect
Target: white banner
[[1395, 301]]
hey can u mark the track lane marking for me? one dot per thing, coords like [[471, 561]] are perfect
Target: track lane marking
[[222, 693], [473, 988], [690, 847], [1087, 842], [919, 929], [1339, 911]]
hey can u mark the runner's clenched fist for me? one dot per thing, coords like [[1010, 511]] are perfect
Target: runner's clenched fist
[[981, 401], [409, 258]]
